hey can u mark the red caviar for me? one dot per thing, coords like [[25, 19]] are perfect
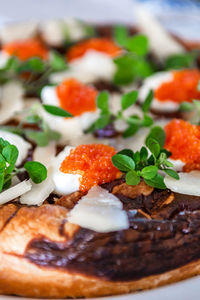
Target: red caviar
[[183, 141], [26, 49], [183, 87], [93, 162], [76, 97], [104, 45]]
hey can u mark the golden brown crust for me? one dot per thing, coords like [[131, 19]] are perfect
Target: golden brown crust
[[18, 276], [21, 277]]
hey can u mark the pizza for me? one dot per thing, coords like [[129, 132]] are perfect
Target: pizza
[[99, 159]]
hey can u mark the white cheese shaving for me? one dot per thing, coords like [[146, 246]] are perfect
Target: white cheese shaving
[[39, 192], [15, 191], [99, 211], [188, 183], [161, 42], [11, 100], [45, 155]]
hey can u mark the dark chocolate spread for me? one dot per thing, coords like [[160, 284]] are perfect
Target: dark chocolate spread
[[163, 235]]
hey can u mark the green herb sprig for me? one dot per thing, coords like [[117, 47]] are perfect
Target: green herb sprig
[[181, 60], [134, 63], [38, 69], [134, 122], [43, 134], [193, 108], [141, 164], [8, 157]]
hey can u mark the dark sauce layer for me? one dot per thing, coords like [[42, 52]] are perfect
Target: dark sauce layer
[[164, 234]]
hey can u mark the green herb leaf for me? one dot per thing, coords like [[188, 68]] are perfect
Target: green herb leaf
[[121, 35], [56, 111], [103, 101], [36, 171], [143, 154], [181, 60], [57, 62], [149, 172], [126, 152], [153, 146], [131, 130], [147, 121], [186, 106], [132, 178], [129, 99], [172, 173], [157, 182], [10, 153], [34, 64], [123, 162], [138, 44], [1, 181], [158, 134], [147, 102]]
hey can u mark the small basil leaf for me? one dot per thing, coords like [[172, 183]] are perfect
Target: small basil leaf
[[143, 154], [132, 178], [121, 35], [53, 135], [136, 157], [168, 164], [123, 162], [158, 134], [2, 163], [57, 62], [1, 181], [149, 172], [10, 153], [134, 120], [179, 61], [34, 64], [103, 101], [102, 121], [153, 146], [128, 99], [126, 152], [172, 173], [147, 102], [36, 171], [147, 121], [186, 106], [56, 111], [157, 182], [138, 44], [39, 137], [131, 130]]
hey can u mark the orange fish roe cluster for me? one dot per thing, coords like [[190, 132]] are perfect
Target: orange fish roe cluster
[[76, 97], [93, 162], [183, 87], [26, 49], [183, 141], [104, 45]]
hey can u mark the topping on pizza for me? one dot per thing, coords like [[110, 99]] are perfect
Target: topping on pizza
[[183, 87], [76, 97], [183, 141], [103, 45], [26, 49], [93, 163]]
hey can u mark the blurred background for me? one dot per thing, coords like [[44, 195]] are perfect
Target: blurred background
[[179, 16]]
